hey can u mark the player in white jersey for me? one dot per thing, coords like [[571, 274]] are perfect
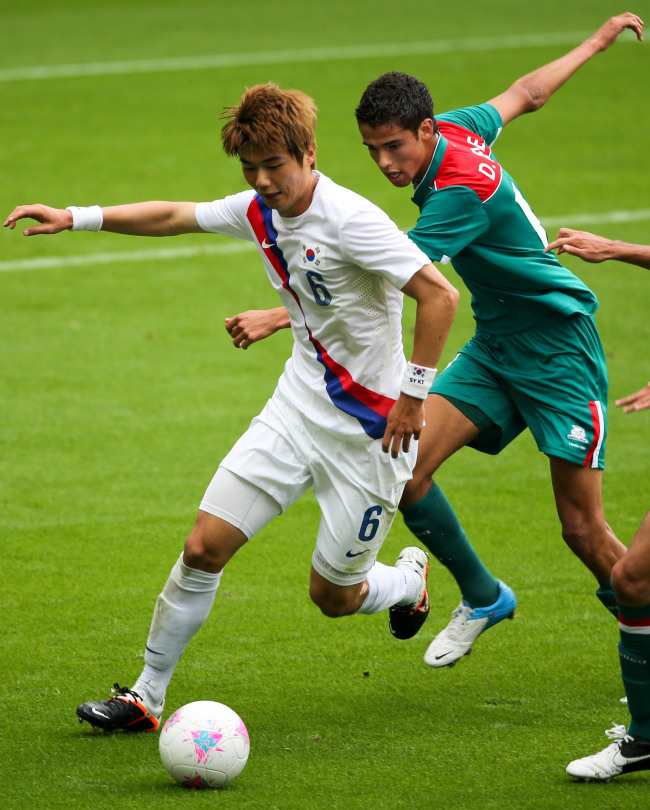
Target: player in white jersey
[[346, 321], [347, 411]]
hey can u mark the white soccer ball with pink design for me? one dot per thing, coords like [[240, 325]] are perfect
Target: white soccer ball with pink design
[[204, 744]]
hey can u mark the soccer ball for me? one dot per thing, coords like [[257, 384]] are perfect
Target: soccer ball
[[204, 744]]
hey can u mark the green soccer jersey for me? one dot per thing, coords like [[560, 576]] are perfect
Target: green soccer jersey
[[473, 214]]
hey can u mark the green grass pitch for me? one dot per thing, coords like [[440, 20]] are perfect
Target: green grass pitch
[[121, 393]]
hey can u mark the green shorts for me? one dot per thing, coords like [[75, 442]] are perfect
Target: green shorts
[[551, 379]]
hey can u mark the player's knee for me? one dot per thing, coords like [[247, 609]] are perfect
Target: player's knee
[[583, 537], [203, 554], [330, 603], [575, 532], [593, 542], [630, 588]]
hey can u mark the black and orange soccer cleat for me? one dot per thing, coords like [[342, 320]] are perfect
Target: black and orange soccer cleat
[[404, 621], [124, 711]]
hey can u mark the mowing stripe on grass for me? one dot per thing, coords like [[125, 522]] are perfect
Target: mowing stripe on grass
[[302, 55], [158, 254]]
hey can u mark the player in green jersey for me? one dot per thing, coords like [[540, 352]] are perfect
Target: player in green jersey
[[630, 750], [535, 361]]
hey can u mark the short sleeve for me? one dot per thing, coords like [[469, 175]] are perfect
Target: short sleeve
[[226, 216], [372, 241], [449, 221]]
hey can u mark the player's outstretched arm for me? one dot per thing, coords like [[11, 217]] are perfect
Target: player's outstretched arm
[[154, 218], [593, 248], [533, 90], [436, 300], [636, 402], [256, 324]]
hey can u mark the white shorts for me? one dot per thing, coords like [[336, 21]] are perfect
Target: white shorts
[[283, 454]]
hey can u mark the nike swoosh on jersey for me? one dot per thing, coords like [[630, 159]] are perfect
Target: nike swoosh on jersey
[[266, 244], [358, 553]]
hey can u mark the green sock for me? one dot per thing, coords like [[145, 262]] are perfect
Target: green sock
[[634, 653], [433, 521], [607, 596]]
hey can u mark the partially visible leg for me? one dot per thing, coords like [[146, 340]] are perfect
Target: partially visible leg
[[578, 497], [237, 511], [428, 513], [180, 611], [631, 749], [631, 583], [384, 587], [358, 490], [402, 589], [446, 430], [186, 599], [631, 575], [334, 600]]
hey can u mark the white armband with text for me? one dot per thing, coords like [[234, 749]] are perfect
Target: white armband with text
[[417, 380], [89, 218]]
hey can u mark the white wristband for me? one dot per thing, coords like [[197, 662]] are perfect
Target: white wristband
[[90, 218], [417, 380]]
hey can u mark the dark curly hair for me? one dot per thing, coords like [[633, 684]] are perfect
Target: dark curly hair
[[395, 97]]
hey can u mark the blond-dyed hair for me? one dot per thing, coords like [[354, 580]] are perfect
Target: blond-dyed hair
[[269, 118]]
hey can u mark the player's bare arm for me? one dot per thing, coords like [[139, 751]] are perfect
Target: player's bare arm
[[594, 248], [155, 218], [253, 325], [437, 300], [533, 90], [636, 402]]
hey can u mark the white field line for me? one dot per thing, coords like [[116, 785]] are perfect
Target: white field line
[[146, 255], [571, 220], [300, 55], [220, 248]]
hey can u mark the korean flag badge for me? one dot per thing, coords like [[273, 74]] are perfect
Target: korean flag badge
[[312, 256]]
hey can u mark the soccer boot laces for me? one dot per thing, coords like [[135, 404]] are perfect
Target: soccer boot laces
[[125, 710], [466, 626], [626, 754], [404, 621]]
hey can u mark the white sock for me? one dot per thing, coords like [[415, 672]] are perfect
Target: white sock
[[388, 586], [181, 609]]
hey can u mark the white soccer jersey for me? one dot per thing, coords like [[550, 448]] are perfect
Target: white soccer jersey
[[338, 269]]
